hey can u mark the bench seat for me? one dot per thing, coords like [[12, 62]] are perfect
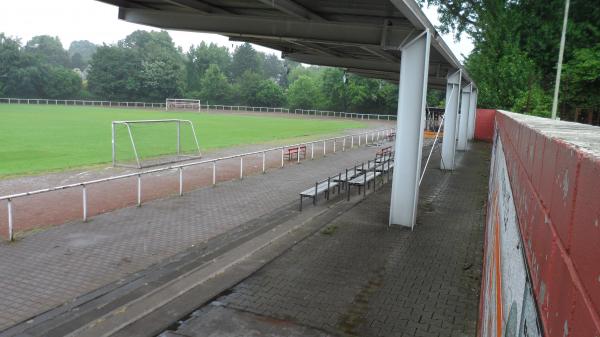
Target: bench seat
[[322, 187], [380, 167], [351, 174], [361, 180]]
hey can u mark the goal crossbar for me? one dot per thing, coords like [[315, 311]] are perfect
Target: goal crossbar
[[184, 103], [127, 123]]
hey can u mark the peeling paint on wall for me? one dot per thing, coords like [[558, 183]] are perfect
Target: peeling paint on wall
[[508, 305]]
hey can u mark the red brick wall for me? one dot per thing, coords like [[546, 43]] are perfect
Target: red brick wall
[[484, 124], [556, 188]]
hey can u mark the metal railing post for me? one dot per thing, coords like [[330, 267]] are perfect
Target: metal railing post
[[10, 219], [84, 202], [298, 154], [334, 142], [264, 159], [241, 168], [180, 181], [214, 173], [324, 148], [114, 154], [139, 190], [344, 144], [312, 150], [178, 137], [352, 142], [282, 157]]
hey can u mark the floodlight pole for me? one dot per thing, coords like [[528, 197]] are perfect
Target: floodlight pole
[[560, 60]]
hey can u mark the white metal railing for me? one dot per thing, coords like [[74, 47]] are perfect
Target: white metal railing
[[79, 102], [244, 108], [374, 136], [361, 116]]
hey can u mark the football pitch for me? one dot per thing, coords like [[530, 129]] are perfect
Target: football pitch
[[45, 138]]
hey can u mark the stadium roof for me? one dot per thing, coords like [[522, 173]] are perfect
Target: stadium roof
[[362, 36]]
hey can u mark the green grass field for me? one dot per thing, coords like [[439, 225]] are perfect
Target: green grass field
[[36, 139]]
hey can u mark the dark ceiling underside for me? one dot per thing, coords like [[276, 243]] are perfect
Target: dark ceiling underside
[[362, 36]]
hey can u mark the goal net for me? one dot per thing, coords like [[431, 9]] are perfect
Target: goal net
[[144, 143], [182, 104]]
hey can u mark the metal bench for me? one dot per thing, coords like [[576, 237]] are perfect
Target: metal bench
[[296, 150], [384, 151], [350, 174], [380, 158], [379, 166], [323, 186], [363, 180]]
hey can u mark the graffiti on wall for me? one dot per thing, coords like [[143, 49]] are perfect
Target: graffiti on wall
[[508, 308]]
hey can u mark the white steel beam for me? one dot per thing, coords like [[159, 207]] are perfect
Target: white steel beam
[[472, 114], [267, 27], [414, 69], [345, 62], [292, 8], [465, 106], [199, 6], [450, 119]]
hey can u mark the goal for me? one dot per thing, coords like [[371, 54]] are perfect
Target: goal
[[144, 143], [184, 104]]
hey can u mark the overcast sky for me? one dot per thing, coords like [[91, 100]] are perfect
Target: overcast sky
[[91, 20]]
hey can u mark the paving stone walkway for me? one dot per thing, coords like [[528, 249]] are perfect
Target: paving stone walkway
[[54, 266], [357, 277]]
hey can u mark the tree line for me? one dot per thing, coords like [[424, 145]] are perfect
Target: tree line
[[149, 67], [516, 51]]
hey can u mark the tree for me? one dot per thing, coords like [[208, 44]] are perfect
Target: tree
[[305, 93], [159, 78], [435, 98], [516, 48], [215, 87], [11, 60], [161, 70], [269, 94], [29, 74], [48, 50], [199, 58], [247, 87], [363, 94], [144, 66], [581, 79], [59, 83], [273, 67], [245, 58], [77, 61], [81, 53], [335, 89], [113, 73]]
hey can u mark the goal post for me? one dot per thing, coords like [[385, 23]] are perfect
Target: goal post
[[143, 143], [182, 103]]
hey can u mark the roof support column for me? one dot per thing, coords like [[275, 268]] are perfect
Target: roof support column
[[414, 68], [472, 113], [450, 120], [465, 106]]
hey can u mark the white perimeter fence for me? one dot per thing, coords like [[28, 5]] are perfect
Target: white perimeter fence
[[321, 113], [80, 102], [358, 139]]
